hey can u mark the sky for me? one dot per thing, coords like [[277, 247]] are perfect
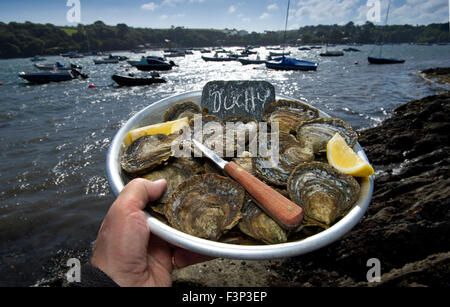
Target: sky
[[250, 15]]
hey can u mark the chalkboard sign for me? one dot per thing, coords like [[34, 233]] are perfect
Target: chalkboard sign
[[246, 98]]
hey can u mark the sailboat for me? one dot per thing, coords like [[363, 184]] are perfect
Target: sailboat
[[382, 60], [285, 63]]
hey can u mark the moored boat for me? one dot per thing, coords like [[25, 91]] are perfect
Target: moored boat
[[218, 59], [381, 60], [285, 63], [37, 59], [332, 53], [51, 76], [132, 80], [154, 63], [280, 53], [251, 62]]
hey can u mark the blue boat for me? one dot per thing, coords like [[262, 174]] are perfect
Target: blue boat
[[285, 63], [380, 60]]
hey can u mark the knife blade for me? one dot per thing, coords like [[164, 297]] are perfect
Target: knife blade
[[286, 213]]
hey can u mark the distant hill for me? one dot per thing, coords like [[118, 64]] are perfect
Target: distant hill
[[28, 39]]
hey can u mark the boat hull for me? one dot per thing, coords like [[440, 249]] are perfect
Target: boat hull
[[219, 59], [377, 60], [131, 81], [157, 67], [292, 64], [251, 62], [48, 77]]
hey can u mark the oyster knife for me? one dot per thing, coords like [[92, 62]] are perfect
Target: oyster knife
[[286, 213]]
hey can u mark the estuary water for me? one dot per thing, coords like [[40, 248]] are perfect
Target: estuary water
[[54, 138]]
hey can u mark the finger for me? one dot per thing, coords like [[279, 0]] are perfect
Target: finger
[[139, 192], [184, 258]]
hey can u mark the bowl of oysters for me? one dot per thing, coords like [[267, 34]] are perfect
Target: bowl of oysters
[[204, 210]]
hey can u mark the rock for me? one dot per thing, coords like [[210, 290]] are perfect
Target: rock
[[442, 74]]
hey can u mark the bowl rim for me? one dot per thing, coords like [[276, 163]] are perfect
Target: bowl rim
[[226, 250]]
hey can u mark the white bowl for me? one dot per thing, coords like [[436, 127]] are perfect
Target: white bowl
[[154, 114]]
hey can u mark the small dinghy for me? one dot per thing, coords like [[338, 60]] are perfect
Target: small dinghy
[[132, 80], [279, 53], [285, 63], [218, 59]]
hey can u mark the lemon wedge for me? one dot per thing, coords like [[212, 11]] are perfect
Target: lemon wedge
[[344, 159], [162, 128]]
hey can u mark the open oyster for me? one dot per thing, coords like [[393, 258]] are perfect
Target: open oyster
[[290, 155], [256, 224], [185, 109], [175, 173], [317, 132], [205, 206], [322, 192], [288, 114], [147, 152]]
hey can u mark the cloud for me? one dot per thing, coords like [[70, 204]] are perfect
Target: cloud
[[264, 16], [231, 9], [272, 7], [171, 2], [163, 17], [149, 6]]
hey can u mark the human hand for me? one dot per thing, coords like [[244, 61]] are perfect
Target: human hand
[[126, 250]]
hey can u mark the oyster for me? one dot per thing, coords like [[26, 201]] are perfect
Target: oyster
[[316, 133], [256, 224], [147, 152], [246, 162], [205, 206], [288, 114], [322, 192], [290, 155], [175, 173], [180, 110]]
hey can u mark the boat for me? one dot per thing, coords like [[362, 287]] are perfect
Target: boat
[[279, 53], [286, 63], [316, 47], [56, 66], [37, 59], [51, 76], [205, 51], [332, 53], [351, 49], [175, 54], [304, 48], [143, 60], [218, 59], [154, 63], [251, 62], [132, 80], [380, 60]]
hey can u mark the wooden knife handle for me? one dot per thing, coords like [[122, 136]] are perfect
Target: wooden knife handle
[[285, 212]]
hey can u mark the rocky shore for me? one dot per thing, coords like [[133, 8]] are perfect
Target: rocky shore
[[406, 226]]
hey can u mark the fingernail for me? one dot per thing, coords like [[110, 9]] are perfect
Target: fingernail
[[160, 181]]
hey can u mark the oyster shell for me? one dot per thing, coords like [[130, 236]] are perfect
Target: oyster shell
[[185, 109], [205, 206], [291, 154], [147, 152], [244, 130], [175, 173], [316, 133], [288, 114], [322, 192], [256, 224]]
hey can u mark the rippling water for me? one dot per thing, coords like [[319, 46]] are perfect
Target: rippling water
[[54, 138]]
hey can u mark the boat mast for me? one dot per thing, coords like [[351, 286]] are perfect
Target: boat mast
[[285, 26], [385, 23]]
